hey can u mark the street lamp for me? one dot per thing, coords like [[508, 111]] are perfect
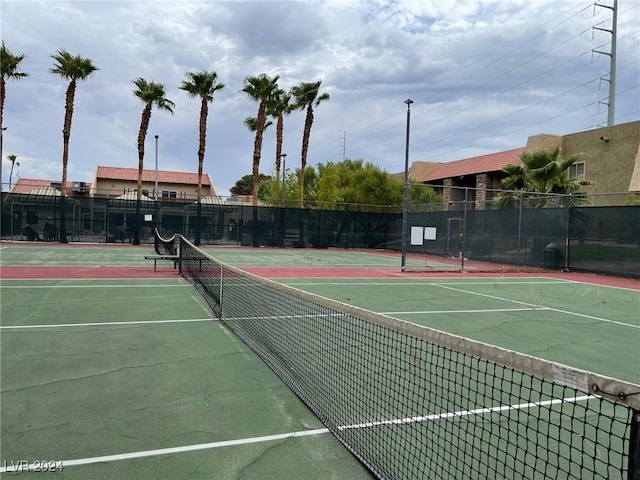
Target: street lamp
[[405, 197], [284, 173]]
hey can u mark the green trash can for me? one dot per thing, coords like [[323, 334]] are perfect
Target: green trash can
[[552, 257]]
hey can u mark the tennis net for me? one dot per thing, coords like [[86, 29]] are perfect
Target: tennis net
[[411, 402]]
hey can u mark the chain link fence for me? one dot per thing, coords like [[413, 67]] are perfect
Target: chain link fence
[[600, 237]]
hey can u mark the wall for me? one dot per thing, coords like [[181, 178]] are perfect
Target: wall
[[609, 162], [118, 187]]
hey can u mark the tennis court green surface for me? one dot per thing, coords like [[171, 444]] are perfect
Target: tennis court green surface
[[111, 370]]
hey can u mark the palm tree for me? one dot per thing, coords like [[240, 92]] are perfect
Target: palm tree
[[307, 95], [72, 68], [252, 124], [261, 89], [202, 85], [279, 106], [9, 68], [543, 172], [12, 158], [151, 94]]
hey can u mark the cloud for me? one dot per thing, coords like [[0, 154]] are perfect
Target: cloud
[[484, 75]]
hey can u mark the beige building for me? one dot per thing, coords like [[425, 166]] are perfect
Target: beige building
[[116, 181], [609, 160]]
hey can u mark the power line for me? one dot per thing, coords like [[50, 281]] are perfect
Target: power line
[[398, 112]]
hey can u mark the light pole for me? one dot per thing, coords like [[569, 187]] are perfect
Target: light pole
[[284, 173], [405, 196], [155, 192], [2, 129]]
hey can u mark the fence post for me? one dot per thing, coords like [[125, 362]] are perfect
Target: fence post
[[519, 229]]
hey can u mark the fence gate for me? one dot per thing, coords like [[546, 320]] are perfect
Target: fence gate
[[454, 237]]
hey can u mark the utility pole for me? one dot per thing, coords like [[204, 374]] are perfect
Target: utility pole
[[611, 111], [344, 145]]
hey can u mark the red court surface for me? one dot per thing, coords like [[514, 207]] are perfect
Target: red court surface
[[111, 272], [68, 273]]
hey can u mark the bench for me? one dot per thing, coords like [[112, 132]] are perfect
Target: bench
[[165, 250], [155, 258]]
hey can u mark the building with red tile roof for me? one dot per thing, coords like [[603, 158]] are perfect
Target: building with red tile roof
[[38, 186], [479, 179], [492, 162], [115, 181]]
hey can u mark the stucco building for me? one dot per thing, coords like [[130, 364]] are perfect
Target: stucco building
[[609, 160]]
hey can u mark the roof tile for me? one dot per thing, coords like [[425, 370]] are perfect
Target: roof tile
[[164, 176], [26, 185], [470, 166]]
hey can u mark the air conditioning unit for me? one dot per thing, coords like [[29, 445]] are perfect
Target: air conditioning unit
[[80, 187]]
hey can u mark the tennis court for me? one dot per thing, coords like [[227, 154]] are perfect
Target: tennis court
[[110, 370]]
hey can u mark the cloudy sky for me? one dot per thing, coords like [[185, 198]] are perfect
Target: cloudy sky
[[483, 75]]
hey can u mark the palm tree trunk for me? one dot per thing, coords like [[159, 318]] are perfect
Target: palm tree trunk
[[257, 148], [305, 149], [66, 135], [144, 126], [2, 96], [204, 111], [279, 136]]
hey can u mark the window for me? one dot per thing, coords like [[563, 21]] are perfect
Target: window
[[576, 171], [169, 194]]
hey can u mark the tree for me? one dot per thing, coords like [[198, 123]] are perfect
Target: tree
[[12, 158], [542, 172], [307, 95], [244, 186], [279, 106], [150, 93], [355, 182], [10, 69], [420, 194], [202, 85], [260, 89], [252, 124], [72, 68]]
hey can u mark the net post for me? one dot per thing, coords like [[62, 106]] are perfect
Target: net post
[[179, 254], [220, 292], [634, 446]]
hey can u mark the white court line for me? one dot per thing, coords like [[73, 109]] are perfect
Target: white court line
[[166, 451], [283, 436], [395, 283], [102, 324], [488, 310], [580, 282], [465, 413], [591, 317]]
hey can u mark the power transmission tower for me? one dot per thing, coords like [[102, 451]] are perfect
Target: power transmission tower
[[611, 110]]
